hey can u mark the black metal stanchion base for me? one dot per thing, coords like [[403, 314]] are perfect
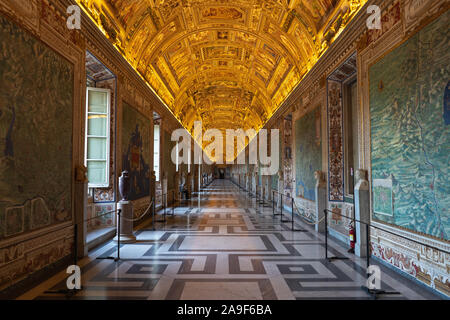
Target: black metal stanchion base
[[376, 292], [108, 258], [293, 229], [298, 230], [337, 258], [275, 214], [69, 293]]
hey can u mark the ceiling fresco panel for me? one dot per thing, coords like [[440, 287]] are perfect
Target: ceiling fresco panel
[[227, 63]]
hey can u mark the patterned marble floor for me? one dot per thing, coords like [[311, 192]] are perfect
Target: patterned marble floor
[[224, 246]]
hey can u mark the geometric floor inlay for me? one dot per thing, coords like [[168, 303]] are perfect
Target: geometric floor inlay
[[225, 247]]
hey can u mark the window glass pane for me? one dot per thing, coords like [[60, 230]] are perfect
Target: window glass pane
[[96, 172], [96, 148], [176, 157], [97, 125], [98, 101], [189, 161], [156, 151]]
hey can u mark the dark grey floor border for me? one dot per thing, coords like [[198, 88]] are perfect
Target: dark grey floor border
[[266, 290]]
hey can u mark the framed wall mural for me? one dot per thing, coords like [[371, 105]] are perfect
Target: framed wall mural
[[136, 151], [308, 157], [35, 176], [287, 161], [410, 134]]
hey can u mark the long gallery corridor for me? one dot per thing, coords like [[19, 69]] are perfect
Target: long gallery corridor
[[224, 246]]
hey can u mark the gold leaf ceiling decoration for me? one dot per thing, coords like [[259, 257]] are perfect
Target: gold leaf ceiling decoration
[[228, 63]]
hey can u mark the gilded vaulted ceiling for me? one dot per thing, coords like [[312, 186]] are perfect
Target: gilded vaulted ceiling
[[229, 63]]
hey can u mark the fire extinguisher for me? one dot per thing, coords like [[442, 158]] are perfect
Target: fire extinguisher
[[352, 236]]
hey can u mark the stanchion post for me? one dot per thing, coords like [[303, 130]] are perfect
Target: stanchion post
[[118, 235], [153, 214], [164, 199], [326, 233], [367, 245], [292, 208], [273, 203], [75, 245], [326, 241], [164, 213], [281, 213]]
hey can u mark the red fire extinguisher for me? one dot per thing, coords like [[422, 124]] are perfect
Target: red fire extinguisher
[[352, 236]]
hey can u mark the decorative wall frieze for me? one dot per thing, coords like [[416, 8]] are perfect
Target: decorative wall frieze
[[423, 263], [26, 13], [19, 259]]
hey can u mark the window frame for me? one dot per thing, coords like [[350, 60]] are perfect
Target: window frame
[[108, 136], [157, 172], [177, 156]]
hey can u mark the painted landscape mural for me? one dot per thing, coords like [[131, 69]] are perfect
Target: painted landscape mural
[[410, 134], [308, 157], [36, 102], [136, 151]]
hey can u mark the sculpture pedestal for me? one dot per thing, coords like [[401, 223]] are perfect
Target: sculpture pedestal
[[126, 227], [321, 200], [362, 212], [81, 190]]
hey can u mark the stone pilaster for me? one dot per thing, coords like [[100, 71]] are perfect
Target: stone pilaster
[[196, 183], [268, 193], [280, 188], [126, 226], [176, 184], [321, 199], [254, 181], [81, 197], [362, 211], [152, 185], [189, 184]]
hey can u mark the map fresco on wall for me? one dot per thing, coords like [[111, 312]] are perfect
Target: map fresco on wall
[[410, 135], [136, 151], [308, 157], [35, 175]]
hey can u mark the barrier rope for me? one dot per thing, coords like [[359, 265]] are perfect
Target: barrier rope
[[141, 216], [305, 218], [103, 214], [390, 232]]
